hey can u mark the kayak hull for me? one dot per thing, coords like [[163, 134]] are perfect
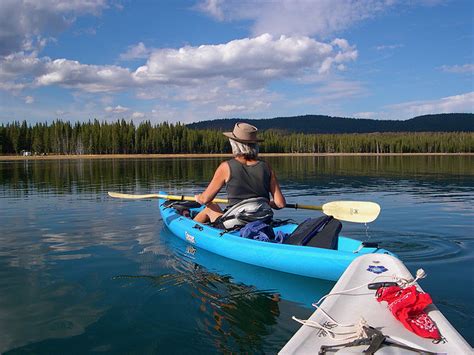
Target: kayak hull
[[349, 307], [305, 261]]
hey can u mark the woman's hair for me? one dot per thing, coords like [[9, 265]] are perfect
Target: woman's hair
[[246, 150]]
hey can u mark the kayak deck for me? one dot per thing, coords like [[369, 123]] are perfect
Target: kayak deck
[[351, 306]]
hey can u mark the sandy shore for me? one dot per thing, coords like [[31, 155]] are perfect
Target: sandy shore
[[167, 156]]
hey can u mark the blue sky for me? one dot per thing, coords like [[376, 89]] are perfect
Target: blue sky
[[196, 60]]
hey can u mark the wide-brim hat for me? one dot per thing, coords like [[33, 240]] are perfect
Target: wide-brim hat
[[244, 133]]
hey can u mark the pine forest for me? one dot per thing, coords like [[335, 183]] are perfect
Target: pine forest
[[122, 137]]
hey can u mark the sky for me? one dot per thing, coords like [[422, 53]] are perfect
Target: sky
[[188, 61]]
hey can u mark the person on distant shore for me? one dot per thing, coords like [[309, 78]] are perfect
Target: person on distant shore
[[245, 176]]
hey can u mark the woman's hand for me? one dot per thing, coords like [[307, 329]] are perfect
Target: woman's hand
[[199, 199], [275, 206]]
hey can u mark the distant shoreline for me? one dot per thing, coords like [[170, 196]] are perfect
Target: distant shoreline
[[167, 156]]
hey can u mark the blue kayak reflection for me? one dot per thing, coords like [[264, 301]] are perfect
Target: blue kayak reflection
[[235, 307], [293, 288]]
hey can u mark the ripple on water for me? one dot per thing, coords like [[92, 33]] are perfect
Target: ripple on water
[[422, 247]]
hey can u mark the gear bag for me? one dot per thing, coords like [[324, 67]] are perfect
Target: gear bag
[[322, 232], [249, 210], [258, 230]]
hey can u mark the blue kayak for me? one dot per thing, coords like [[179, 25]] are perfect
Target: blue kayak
[[325, 264]]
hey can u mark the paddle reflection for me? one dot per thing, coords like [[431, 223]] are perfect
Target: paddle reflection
[[234, 316]]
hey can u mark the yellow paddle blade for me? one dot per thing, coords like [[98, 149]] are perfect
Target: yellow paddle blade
[[132, 197], [352, 211], [165, 197]]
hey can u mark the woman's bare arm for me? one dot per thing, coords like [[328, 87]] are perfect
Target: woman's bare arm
[[278, 198], [221, 175]]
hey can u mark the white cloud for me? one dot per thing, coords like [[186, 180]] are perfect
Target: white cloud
[[12, 87], [328, 95], [90, 31], [213, 8], [243, 63], [138, 51], [165, 112], [116, 109], [450, 104], [458, 69], [138, 115], [22, 22], [367, 114], [21, 66], [90, 78], [384, 47], [249, 106], [29, 100], [337, 89], [230, 108], [61, 113], [211, 100], [251, 61], [297, 17]]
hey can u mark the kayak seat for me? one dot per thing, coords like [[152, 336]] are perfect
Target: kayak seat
[[322, 232], [246, 211]]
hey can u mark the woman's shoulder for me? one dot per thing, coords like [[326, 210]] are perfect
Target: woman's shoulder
[[265, 163], [235, 162], [223, 171], [231, 162], [224, 165]]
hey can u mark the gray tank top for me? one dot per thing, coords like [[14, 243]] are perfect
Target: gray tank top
[[247, 181]]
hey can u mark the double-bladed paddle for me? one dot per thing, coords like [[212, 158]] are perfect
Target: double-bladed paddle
[[164, 197], [350, 211]]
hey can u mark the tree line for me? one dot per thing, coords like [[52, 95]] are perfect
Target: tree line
[[122, 137]]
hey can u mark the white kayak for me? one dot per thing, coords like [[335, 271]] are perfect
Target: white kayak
[[361, 309]]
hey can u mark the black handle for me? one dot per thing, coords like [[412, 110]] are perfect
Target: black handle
[[377, 285], [370, 245]]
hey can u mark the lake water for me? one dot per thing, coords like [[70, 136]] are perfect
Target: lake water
[[81, 272]]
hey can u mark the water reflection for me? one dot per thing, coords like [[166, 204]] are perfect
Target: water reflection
[[229, 313], [237, 304], [304, 173], [32, 309]]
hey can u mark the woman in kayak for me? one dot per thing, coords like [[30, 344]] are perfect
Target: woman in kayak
[[245, 176]]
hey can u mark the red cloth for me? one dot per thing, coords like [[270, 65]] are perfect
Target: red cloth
[[407, 305]]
